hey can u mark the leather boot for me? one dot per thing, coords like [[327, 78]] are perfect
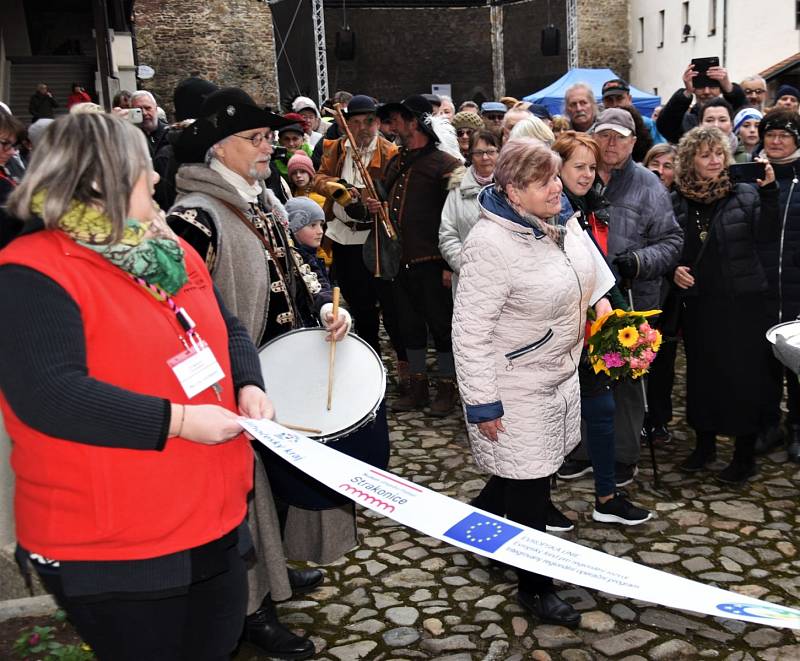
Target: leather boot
[[305, 580], [769, 439], [446, 398], [704, 453], [263, 630], [403, 377], [794, 443], [417, 396], [743, 464]]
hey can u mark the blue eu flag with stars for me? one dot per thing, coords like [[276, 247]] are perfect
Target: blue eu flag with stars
[[483, 532]]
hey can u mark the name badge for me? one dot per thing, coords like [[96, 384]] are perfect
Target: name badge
[[196, 369]]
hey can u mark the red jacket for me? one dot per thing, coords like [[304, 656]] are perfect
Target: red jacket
[[75, 501], [78, 97]]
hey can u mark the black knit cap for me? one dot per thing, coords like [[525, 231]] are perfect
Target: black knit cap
[[189, 96], [780, 119]]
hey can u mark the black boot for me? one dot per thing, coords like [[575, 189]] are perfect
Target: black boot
[[704, 453], [794, 443], [305, 580], [743, 465], [263, 630], [768, 439]]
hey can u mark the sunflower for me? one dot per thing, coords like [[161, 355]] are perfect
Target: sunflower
[[628, 336]]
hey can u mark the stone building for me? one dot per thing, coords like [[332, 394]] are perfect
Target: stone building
[[229, 42]]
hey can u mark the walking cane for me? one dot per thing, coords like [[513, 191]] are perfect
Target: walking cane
[[648, 435]]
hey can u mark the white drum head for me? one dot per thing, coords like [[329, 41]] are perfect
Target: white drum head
[[295, 369], [789, 329]]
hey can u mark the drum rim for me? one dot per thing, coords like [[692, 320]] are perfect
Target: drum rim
[[772, 333], [329, 438]]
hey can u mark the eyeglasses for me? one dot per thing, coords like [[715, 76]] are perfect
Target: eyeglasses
[[5, 145], [779, 136], [483, 153], [758, 91], [494, 116], [255, 139], [460, 132]]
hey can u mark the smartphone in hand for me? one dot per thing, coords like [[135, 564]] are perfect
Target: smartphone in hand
[[701, 66], [747, 172]]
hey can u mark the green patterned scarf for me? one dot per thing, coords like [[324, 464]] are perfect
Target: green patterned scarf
[[149, 251]]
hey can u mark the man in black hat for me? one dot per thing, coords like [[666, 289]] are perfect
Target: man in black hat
[[418, 180], [238, 226], [348, 226]]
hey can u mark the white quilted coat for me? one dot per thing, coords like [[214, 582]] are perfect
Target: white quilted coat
[[518, 327]]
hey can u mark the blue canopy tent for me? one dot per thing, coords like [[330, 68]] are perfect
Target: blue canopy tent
[[552, 96]]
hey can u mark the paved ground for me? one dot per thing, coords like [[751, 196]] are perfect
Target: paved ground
[[402, 595]]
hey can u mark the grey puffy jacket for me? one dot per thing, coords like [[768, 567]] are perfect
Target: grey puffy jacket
[[642, 220]]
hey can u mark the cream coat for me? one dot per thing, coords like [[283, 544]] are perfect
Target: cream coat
[[518, 328]]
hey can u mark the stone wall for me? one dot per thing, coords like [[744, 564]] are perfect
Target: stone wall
[[230, 42], [603, 35]]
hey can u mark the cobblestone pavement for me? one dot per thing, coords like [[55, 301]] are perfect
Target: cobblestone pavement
[[402, 595]]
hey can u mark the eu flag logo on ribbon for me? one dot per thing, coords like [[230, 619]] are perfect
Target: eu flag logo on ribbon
[[483, 532]]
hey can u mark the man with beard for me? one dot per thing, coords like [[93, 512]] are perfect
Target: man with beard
[[154, 129], [239, 228], [644, 244], [349, 225], [418, 180], [580, 106]]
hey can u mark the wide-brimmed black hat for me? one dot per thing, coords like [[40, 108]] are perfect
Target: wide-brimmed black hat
[[361, 104], [233, 110], [416, 107]]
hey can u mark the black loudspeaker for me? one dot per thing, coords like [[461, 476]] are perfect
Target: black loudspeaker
[[345, 45], [551, 40]]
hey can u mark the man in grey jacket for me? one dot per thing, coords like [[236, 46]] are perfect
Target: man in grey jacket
[[644, 245]]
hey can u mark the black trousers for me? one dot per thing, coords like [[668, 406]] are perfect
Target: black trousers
[[660, 380], [425, 304], [368, 297], [203, 624], [525, 502]]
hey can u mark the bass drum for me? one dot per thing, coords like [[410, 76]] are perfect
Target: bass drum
[[295, 369]]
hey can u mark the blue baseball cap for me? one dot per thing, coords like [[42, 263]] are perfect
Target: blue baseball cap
[[493, 106]]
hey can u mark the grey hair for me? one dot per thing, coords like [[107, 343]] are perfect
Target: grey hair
[[139, 94], [578, 86], [754, 78], [89, 158]]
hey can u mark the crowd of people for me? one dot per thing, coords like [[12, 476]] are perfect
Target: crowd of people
[[139, 254]]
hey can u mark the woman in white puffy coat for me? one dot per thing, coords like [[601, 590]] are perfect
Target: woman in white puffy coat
[[518, 326], [461, 210]]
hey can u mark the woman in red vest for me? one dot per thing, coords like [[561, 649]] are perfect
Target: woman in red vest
[[122, 377]]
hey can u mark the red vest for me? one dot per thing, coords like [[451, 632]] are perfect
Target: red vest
[[82, 502]]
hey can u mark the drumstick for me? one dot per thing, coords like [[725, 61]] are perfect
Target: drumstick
[[308, 430], [332, 354]]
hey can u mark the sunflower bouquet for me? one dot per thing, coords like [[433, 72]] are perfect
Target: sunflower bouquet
[[623, 344]]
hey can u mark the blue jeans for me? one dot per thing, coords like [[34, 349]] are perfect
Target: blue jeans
[[598, 414]]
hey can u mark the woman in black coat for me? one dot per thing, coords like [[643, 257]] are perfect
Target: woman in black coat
[[721, 285]]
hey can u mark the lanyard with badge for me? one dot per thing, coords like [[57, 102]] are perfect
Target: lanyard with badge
[[196, 367]]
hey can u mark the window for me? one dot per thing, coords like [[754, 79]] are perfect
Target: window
[[712, 17], [661, 28], [687, 29], [641, 35], [797, 15]]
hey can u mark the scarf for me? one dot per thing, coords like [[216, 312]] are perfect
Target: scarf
[[704, 191], [497, 202], [248, 192], [782, 161], [149, 251], [481, 181]]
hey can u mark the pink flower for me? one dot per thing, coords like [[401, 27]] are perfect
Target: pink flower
[[639, 364], [644, 327], [648, 355], [34, 639], [613, 359]]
